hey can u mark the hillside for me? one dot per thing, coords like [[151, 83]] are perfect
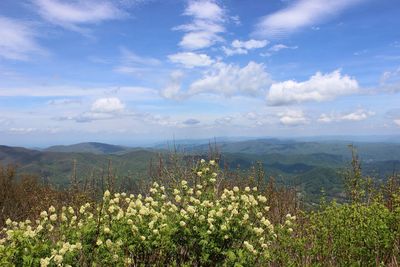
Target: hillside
[[308, 166], [90, 147]]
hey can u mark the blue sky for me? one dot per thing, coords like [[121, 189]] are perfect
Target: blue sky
[[135, 71]]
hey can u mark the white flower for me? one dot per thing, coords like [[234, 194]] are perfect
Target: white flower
[[58, 259], [202, 161], [236, 189], [8, 222], [52, 209], [107, 194], [107, 230], [199, 173], [43, 214], [99, 242], [53, 217], [177, 198], [212, 162], [182, 223], [44, 262], [143, 238], [247, 189]]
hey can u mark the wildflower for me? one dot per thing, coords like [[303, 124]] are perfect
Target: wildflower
[[44, 262], [8, 222], [99, 242], [213, 180], [43, 214], [202, 161], [184, 182], [52, 209], [247, 189], [199, 173], [212, 162], [108, 243], [58, 259], [236, 189], [107, 194], [182, 223], [143, 238], [53, 217], [177, 198], [290, 230], [214, 174], [71, 210]]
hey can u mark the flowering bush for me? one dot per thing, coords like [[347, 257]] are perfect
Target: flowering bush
[[195, 223]]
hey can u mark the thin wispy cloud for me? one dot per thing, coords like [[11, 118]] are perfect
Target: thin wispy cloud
[[207, 24], [300, 14], [18, 40], [76, 15]]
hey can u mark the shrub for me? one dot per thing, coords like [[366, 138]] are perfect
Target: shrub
[[190, 225]]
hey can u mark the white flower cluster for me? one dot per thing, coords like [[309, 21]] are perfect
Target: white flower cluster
[[123, 225]]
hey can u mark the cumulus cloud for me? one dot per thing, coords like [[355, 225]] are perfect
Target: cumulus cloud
[[230, 79], [107, 105], [222, 79], [242, 47], [358, 115], [190, 59], [73, 14], [293, 118], [300, 14], [320, 87], [390, 81], [207, 24], [18, 40]]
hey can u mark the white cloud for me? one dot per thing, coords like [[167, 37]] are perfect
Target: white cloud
[[320, 87], [107, 105], [293, 118], [222, 79], [279, 47], [17, 40], [130, 57], [131, 63], [224, 120], [300, 14], [72, 14], [173, 88], [207, 24], [190, 59], [22, 130], [358, 115], [390, 81], [230, 79], [397, 122], [242, 47]]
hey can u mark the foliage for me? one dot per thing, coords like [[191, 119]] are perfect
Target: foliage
[[192, 225]]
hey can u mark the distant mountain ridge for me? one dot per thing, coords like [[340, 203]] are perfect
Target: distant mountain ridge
[[89, 147]]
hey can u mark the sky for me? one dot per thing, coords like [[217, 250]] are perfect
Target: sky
[[136, 71]]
